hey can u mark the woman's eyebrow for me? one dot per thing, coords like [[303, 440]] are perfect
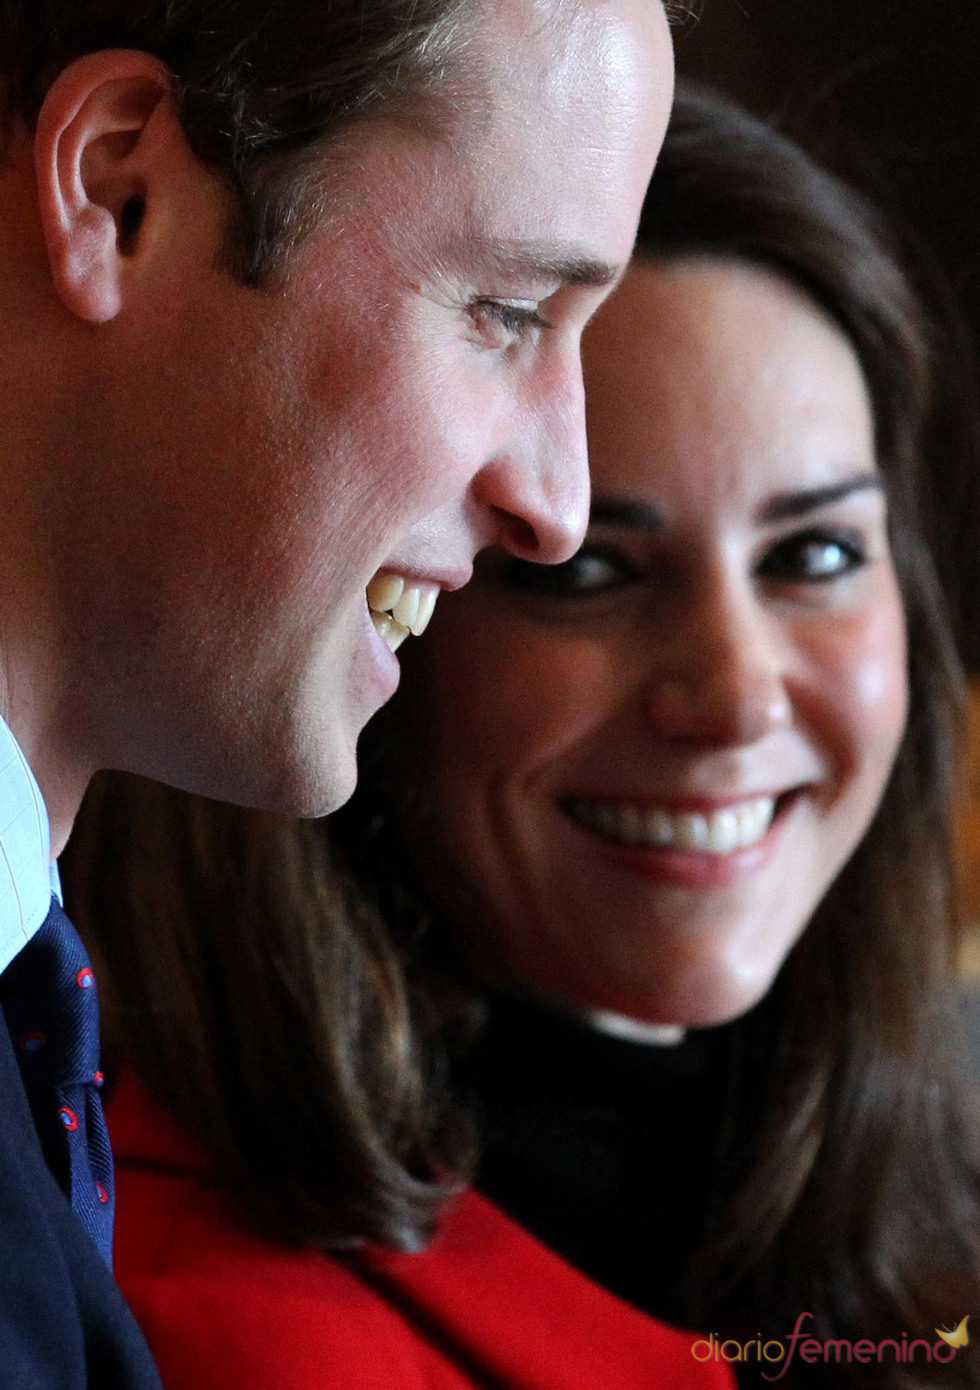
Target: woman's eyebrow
[[630, 512], [787, 505]]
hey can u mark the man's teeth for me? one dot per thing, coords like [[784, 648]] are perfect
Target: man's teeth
[[390, 632], [415, 607], [717, 832], [398, 609], [384, 591]]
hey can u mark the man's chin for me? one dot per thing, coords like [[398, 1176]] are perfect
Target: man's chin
[[331, 800], [307, 782], [326, 789]]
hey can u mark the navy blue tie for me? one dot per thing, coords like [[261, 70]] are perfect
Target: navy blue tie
[[49, 1000]]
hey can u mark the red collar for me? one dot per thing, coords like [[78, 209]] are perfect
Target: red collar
[[485, 1290]]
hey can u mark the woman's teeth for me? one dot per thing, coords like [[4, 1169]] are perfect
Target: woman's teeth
[[398, 609], [716, 832]]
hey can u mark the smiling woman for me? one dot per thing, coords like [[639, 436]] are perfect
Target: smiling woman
[[640, 921], [652, 760], [699, 773]]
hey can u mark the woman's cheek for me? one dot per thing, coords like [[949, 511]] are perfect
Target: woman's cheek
[[522, 694], [862, 691]]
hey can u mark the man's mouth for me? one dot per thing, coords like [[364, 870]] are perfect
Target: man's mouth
[[399, 607], [725, 830]]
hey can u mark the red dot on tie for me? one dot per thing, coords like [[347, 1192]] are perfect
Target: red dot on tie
[[68, 1118], [32, 1042], [101, 1193], [97, 1078], [85, 979]]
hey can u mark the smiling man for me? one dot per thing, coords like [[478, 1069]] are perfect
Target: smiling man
[[290, 299]]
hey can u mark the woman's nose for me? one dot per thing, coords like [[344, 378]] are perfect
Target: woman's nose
[[722, 680]]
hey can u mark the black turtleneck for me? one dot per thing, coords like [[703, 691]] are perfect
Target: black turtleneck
[[600, 1146]]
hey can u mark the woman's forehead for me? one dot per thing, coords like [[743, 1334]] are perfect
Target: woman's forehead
[[718, 381]]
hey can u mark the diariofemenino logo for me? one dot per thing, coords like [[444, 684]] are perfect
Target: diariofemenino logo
[[776, 1356]]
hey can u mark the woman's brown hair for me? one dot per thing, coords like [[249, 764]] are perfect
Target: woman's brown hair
[[850, 1182], [282, 989]]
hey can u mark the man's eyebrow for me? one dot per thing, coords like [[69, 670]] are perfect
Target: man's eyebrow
[[610, 510], [540, 261], [787, 505]]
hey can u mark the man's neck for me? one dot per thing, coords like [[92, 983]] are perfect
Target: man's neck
[[61, 781], [62, 796], [36, 661]]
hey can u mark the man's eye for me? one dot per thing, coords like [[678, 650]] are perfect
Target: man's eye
[[592, 570], [504, 321], [815, 556]]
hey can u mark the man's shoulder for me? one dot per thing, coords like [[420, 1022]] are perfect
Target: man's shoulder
[[63, 1322]]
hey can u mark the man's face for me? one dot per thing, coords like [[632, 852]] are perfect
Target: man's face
[[408, 393]]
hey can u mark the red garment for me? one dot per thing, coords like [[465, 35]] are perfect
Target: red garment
[[487, 1307]]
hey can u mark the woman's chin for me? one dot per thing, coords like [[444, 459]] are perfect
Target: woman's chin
[[714, 999]]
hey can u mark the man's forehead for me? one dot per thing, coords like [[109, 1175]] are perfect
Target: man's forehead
[[539, 261]]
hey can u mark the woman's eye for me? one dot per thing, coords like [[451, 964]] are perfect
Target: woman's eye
[[592, 570], [505, 321], [815, 556]]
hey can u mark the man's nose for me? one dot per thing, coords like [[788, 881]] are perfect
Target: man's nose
[[536, 494], [724, 681]]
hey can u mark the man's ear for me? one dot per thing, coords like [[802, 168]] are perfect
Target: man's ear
[[93, 158]]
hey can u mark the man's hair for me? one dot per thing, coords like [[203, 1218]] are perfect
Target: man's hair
[[260, 84]]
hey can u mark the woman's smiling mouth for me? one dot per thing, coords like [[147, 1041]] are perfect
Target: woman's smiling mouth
[[738, 825], [703, 848]]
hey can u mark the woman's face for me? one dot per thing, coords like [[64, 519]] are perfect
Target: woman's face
[[640, 770]]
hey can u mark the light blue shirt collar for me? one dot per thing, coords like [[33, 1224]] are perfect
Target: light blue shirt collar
[[27, 876]]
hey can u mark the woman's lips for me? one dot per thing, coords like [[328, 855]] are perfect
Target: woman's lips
[[708, 847]]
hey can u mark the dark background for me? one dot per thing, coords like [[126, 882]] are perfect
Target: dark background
[[886, 92]]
